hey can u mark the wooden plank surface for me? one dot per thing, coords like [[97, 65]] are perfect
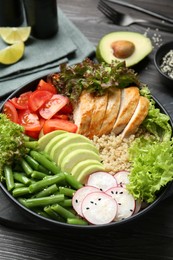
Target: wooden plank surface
[[149, 237]]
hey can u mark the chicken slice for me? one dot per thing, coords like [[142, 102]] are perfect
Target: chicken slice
[[113, 105], [82, 113], [129, 101], [137, 118], [99, 109]]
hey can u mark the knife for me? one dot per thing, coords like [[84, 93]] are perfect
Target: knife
[[138, 8]]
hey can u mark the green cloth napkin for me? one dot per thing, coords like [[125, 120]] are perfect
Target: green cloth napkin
[[44, 56]]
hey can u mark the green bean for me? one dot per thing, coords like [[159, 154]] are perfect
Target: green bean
[[38, 175], [41, 212], [47, 192], [9, 177], [67, 191], [26, 167], [31, 144], [22, 201], [35, 165], [72, 181], [52, 214], [21, 177], [47, 181], [62, 211], [76, 221], [45, 162], [17, 192], [18, 185], [44, 201], [66, 203]]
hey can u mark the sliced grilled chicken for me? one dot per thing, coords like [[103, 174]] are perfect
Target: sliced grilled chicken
[[137, 118], [129, 101], [99, 109], [113, 105], [82, 113]]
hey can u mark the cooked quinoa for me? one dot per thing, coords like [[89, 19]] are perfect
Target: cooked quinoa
[[114, 151]]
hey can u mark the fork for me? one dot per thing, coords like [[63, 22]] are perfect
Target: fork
[[122, 19]]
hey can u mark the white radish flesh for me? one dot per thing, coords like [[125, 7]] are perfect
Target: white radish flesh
[[78, 197], [125, 201], [102, 180], [122, 177], [99, 208]]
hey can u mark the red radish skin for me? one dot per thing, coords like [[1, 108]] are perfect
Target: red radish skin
[[99, 208], [122, 177], [102, 180], [78, 197], [125, 201]]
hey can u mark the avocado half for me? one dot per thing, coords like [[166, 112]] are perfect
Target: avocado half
[[130, 47]]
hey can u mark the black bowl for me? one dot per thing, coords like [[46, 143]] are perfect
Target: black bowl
[[158, 59], [52, 224]]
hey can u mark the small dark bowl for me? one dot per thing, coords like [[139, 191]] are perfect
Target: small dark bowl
[[160, 53], [55, 225]]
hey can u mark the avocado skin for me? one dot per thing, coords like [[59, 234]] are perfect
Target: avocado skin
[[143, 47]]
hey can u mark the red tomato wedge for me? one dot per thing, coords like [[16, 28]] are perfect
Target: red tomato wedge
[[51, 107], [38, 98], [60, 116], [30, 121], [35, 134], [10, 111], [67, 109], [58, 124], [22, 101], [43, 85]]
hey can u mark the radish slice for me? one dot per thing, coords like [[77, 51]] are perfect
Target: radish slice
[[125, 201], [122, 177], [137, 206], [78, 197], [99, 208], [102, 180]]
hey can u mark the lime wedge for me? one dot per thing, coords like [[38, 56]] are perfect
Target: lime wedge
[[12, 35], [12, 53]]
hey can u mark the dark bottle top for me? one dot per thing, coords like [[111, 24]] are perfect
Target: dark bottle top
[[11, 13], [42, 16]]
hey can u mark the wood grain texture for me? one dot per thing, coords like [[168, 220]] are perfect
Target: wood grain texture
[[151, 236]]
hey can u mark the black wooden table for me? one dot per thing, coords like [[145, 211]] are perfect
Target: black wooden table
[[150, 236]]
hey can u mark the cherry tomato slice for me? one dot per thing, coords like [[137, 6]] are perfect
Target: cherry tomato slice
[[38, 98], [10, 111], [67, 109], [22, 101], [58, 124], [51, 107], [43, 85], [29, 120]]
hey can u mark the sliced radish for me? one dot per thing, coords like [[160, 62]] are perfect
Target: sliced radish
[[122, 177], [78, 197], [102, 180], [99, 208], [137, 206], [125, 201]]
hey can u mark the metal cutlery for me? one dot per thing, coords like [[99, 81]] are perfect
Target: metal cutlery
[[143, 10], [122, 19]]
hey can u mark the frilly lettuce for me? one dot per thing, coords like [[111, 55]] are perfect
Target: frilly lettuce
[[152, 167], [156, 123]]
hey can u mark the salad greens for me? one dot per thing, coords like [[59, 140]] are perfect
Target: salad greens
[[152, 167], [156, 123], [94, 77], [11, 142]]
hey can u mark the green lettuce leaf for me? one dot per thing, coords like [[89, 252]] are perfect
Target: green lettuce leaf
[[156, 122], [152, 167]]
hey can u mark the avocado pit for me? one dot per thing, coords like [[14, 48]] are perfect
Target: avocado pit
[[122, 49]]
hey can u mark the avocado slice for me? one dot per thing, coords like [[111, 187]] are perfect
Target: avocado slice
[[69, 139], [80, 167], [72, 147], [89, 170], [130, 47], [44, 140], [77, 156]]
